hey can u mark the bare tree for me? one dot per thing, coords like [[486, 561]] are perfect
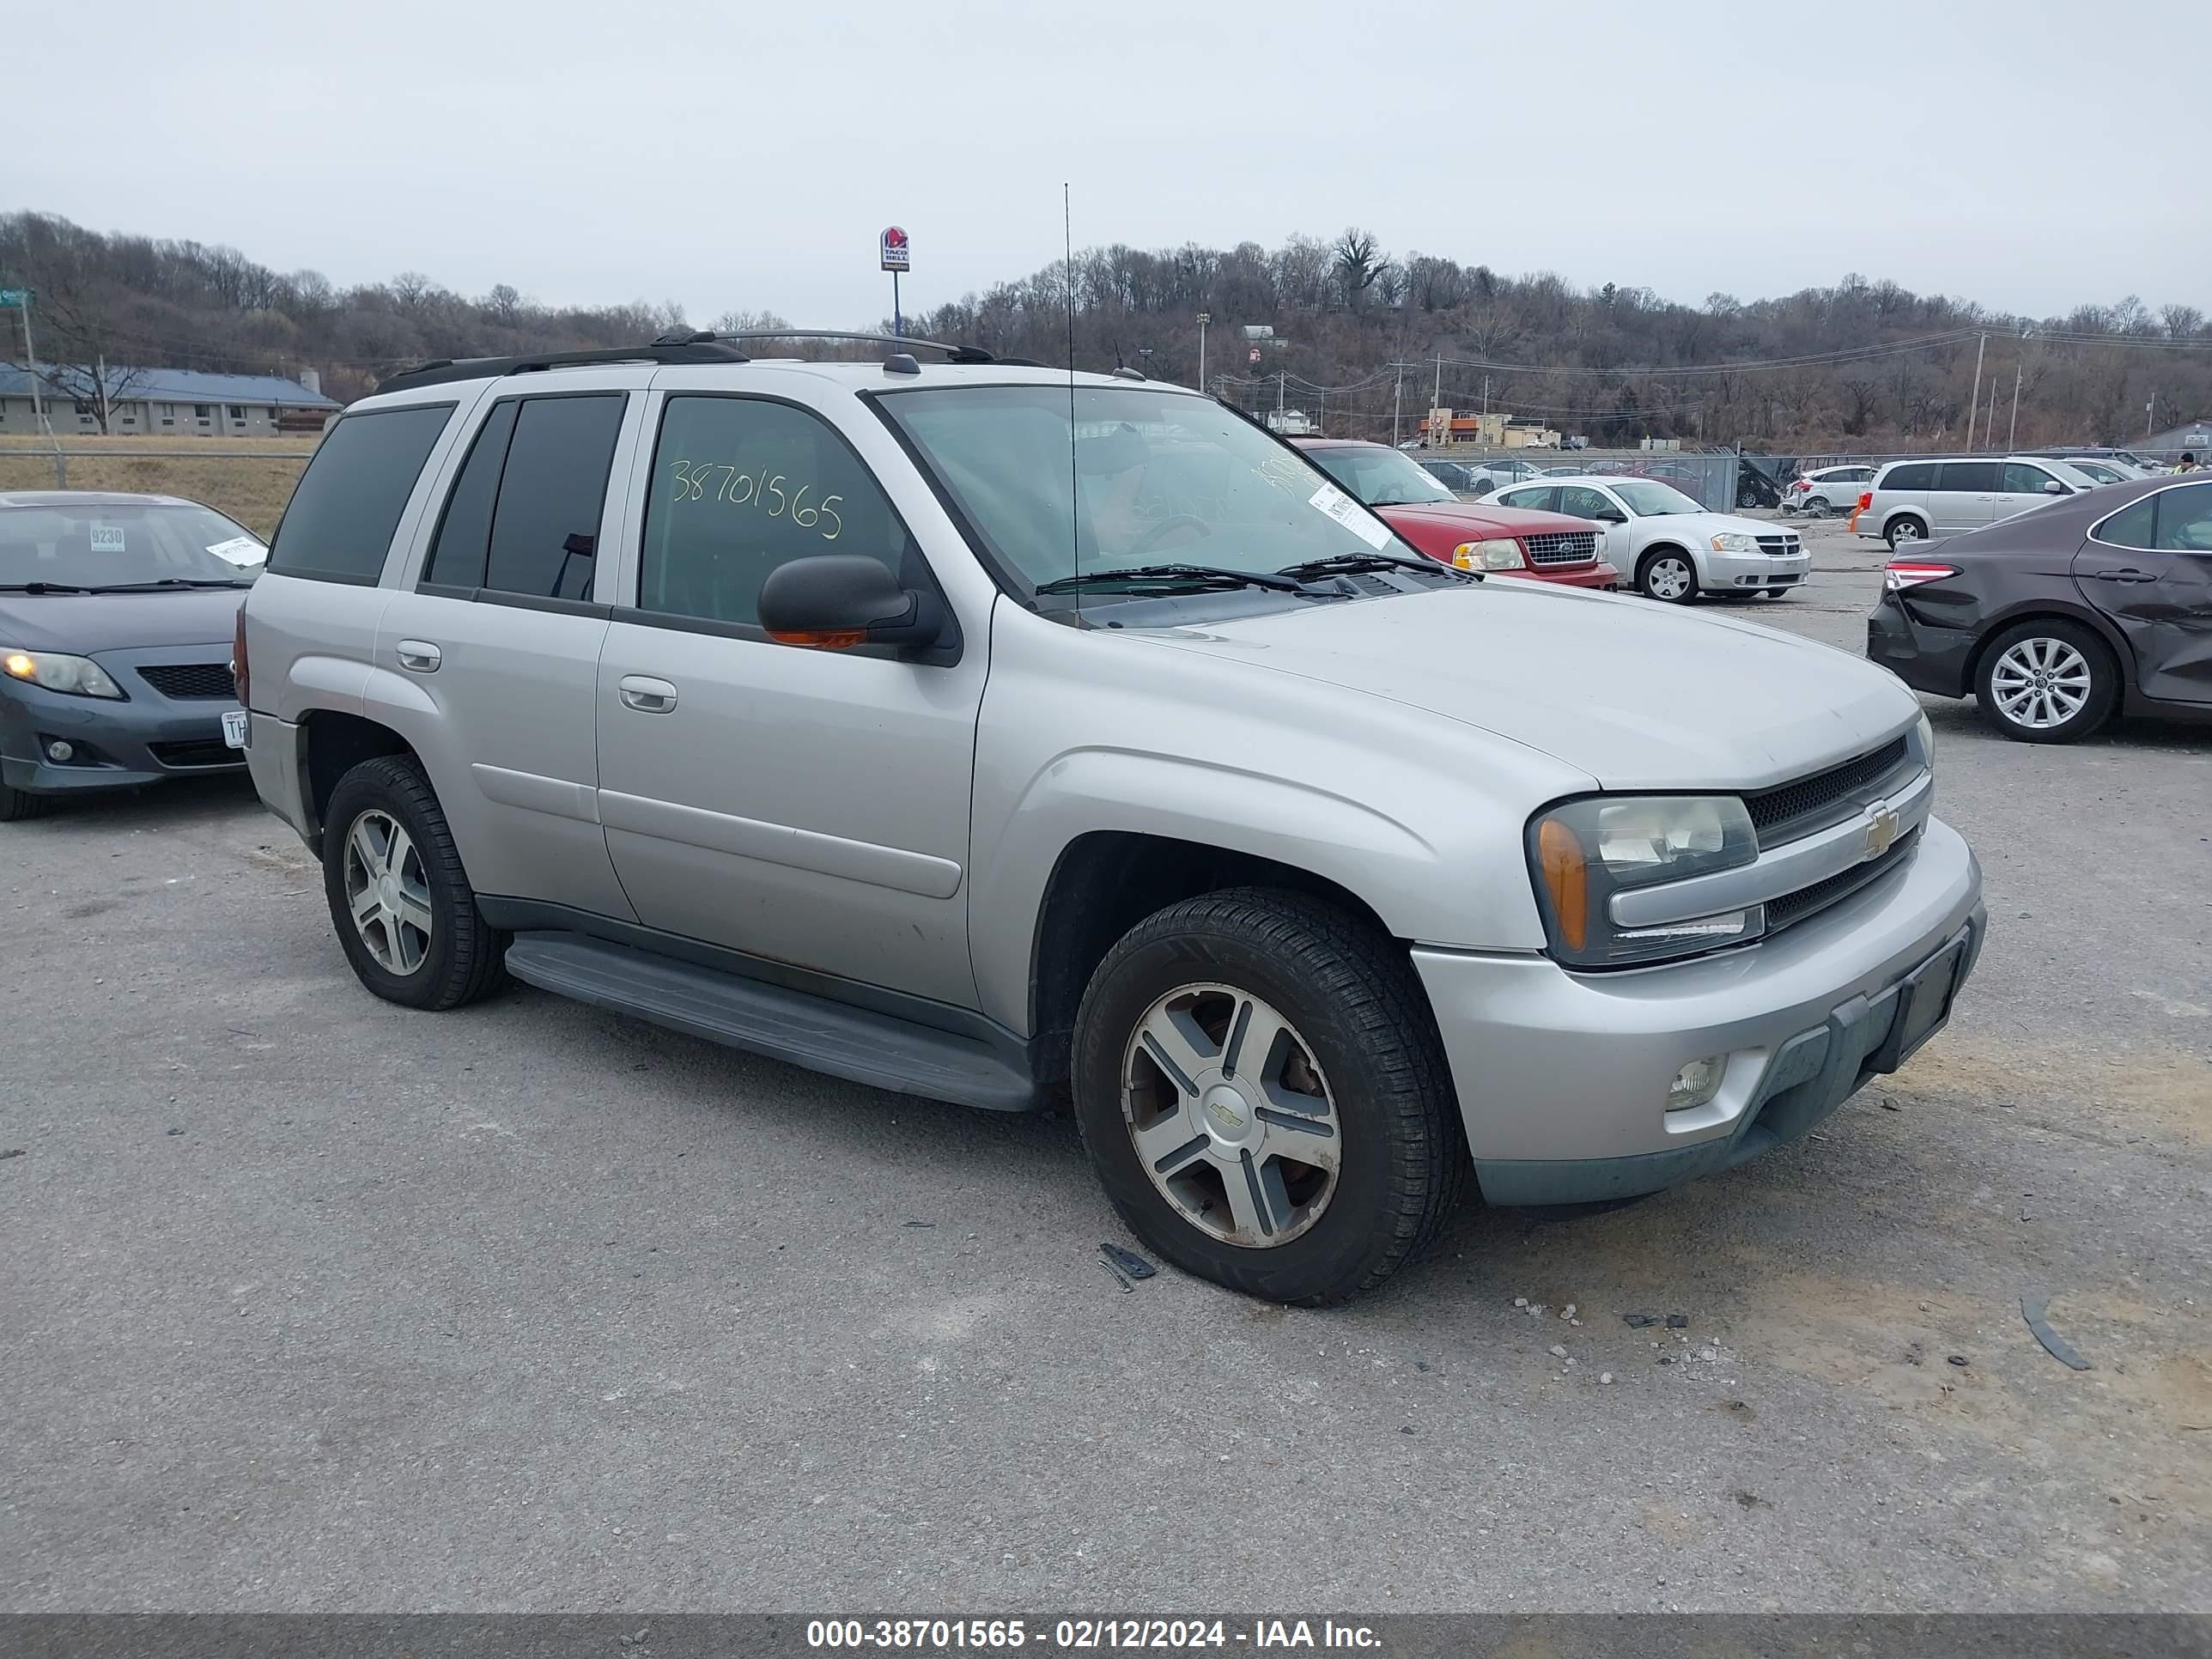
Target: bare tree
[[1360, 264]]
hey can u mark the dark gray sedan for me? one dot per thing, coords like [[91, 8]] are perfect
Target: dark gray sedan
[[2057, 618], [117, 615]]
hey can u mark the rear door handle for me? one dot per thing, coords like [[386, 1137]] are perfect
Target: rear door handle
[[646, 695], [420, 655], [2128, 575]]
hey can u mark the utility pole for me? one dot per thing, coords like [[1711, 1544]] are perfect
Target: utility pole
[[1203, 320], [1974, 403], [101, 362], [31, 357], [1486, 394], [1397, 398], [2148, 407], [1989, 426], [1282, 387], [1436, 402], [2012, 432]]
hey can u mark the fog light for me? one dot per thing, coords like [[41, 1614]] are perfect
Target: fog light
[[1696, 1083], [60, 753]]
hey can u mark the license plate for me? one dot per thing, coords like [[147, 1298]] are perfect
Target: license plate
[[234, 728], [1929, 994]]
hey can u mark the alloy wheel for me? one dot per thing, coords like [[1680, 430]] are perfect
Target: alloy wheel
[[1231, 1116], [388, 892], [2040, 683]]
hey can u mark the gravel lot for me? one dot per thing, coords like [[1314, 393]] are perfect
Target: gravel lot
[[313, 1303]]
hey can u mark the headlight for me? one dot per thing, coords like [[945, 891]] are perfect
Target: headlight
[[1732, 541], [78, 676], [1927, 736], [1501, 555], [1586, 851]]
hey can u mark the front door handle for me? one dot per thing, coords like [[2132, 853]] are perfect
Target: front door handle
[[419, 655], [2129, 574], [646, 695]]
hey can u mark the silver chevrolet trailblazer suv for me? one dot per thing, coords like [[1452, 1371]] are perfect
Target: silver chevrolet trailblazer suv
[[996, 734]]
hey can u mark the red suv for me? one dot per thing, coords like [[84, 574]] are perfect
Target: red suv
[[1549, 547]]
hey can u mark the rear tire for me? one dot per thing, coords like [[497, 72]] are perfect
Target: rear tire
[[1355, 1050], [17, 805], [1904, 531], [399, 899], [2047, 681]]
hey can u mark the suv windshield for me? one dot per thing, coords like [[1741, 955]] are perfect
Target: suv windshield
[[124, 544], [1380, 476], [1141, 477], [1647, 499]]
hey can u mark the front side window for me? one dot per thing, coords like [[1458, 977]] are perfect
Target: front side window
[[1138, 476], [1647, 499], [742, 485], [2023, 478], [1378, 476], [342, 516]]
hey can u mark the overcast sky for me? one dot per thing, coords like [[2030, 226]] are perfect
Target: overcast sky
[[746, 154]]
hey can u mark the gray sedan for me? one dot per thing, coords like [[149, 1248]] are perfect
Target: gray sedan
[[117, 614]]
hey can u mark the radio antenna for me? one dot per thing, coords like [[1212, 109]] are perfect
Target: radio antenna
[[1067, 271]]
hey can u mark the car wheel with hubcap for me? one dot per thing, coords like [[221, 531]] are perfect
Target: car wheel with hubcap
[[1669, 576], [1264, 1097], [1902, 530], [399, 896], [2047, 681]]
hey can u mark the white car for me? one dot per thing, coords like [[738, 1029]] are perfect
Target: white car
[[1826, 489], [1671, 548], [2103, 469]]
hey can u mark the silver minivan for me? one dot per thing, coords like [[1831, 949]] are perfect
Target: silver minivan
[[1912, 501]]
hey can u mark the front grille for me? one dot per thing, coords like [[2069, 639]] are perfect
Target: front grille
[[1780, 546], [1562, 547], [191, 682], [1795, 809], [1809, 901], [203, 753]]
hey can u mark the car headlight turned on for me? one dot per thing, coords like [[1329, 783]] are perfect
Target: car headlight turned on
[[79, 676], [1734, 541], [1503, 554], [1584, 852]]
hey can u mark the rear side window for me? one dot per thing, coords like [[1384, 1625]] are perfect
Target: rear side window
[[545, 523], [1911, 475], [464, 540], [340, 522], [742, 485], [1969, 478], [2133, 526], [2184, 520], [1529, 498]]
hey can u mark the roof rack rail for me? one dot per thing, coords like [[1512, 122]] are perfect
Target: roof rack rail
[[693, 349], [959, 353]]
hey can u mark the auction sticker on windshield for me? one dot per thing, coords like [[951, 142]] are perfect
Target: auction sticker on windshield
[[1348, 512], [108, 538], [240, 549]]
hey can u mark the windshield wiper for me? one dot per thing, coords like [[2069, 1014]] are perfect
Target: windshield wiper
[[166, 581], [41, 588], [1200, 577], [1350, 564]]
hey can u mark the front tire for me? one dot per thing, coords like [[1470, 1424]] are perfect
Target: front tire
[[399, 899], [1669, 576], [1264, 1097], [2047, 681], [16, 805]]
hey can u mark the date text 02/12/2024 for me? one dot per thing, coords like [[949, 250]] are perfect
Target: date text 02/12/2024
[[1086, 1635]]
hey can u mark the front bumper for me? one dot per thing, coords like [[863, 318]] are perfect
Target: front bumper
[[1752, 572], [120, 745], [1599, 575], [1927, 658], [1562, 1078]]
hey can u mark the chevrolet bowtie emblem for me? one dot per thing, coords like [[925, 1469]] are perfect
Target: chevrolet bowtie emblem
[[1881, 832]]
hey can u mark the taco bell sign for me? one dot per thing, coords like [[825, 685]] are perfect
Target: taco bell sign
[[898, 256]]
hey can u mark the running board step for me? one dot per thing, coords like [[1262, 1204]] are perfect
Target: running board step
[[854, 1043]]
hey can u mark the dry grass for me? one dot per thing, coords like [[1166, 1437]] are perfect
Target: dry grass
[[248, 479]]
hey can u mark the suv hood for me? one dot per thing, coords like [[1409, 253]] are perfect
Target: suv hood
[[84, 624], [1637, 695]]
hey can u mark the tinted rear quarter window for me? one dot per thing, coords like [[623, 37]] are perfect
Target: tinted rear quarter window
[[464, 540], [1911, 475], [339, 523], [545, 527], [2132, 526]]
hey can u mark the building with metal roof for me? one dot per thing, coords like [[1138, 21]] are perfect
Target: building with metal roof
[[171, 403]]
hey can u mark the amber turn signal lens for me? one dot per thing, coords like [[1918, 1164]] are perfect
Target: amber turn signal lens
[[823, 638], [1566, 877]]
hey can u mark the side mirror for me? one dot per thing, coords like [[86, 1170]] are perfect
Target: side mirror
[[2053, 486], [834, 601], [1611, 515]]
